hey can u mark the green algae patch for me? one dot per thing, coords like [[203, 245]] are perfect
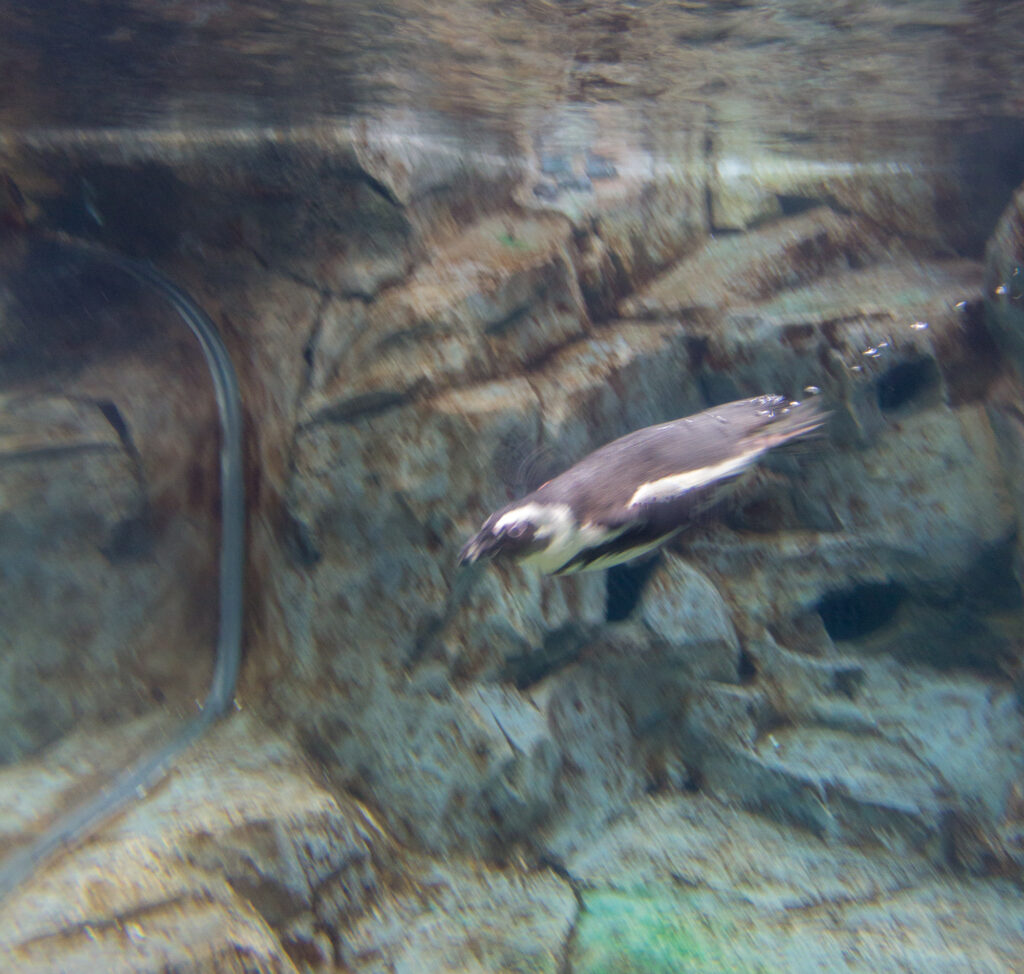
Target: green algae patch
[[508, 240], [639, 933]]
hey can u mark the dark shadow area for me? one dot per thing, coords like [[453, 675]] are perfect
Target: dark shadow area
[[847, 681], [861, 609], [132, 538], [990, 166], [795, 205], [140, 211], [905, 382], [298, 541], [747, 667], [560, 648], [968, 356], [624, 586], [992, 584], [65, 309]]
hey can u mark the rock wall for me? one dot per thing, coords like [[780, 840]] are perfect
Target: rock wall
[[422, 333], [893, 540], [108, 500]]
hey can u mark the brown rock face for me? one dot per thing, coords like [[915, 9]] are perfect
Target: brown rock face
[[754, 267], [497, 298]]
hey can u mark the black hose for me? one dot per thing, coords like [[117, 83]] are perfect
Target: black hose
[[78, 824]]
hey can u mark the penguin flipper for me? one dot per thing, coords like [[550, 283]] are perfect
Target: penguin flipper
[[624, 538]]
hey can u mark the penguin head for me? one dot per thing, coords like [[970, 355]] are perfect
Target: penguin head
[[517, 531]]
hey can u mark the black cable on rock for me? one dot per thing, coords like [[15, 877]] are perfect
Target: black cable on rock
[[134, 781]]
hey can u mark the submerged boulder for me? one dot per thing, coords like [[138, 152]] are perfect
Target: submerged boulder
[[1004, 279], [241, 858], [87, 572]]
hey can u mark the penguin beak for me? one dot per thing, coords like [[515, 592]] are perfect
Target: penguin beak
[[495, 539], [475, 549]]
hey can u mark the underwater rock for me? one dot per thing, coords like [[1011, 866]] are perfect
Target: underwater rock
[[412, 160], [907, 493], [931, 494], [449, 770], [493, 300], [380, 496], [685, 882], [448, 766], [596, 389], [1004, 280], [600, 276], [241, 857], [915, 510], [694, 842], [208, 872], [914, 201], [465, 917], [681, 608], [244, 806], [269, 322], [910, 749], [599, 773], [878, 342], [38, 788], [732, 270], [110, 496], [1007, 417], [481, 443], [125, 907], [345, 209], [76, 544], [964, 728], [335, 229], [662, 931], [632, 212], [641, 234], [903, 565], [426, 326], [839, 784]]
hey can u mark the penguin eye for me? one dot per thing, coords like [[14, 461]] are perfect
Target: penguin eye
[[517, 530]]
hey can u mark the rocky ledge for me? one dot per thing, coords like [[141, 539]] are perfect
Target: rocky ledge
[[244, 861]]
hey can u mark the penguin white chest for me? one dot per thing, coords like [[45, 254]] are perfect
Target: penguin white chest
[[556, 525]]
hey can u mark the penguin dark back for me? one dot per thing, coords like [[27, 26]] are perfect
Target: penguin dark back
[[632, 495]]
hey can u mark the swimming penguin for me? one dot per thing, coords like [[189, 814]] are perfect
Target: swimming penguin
[[633, 494]]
